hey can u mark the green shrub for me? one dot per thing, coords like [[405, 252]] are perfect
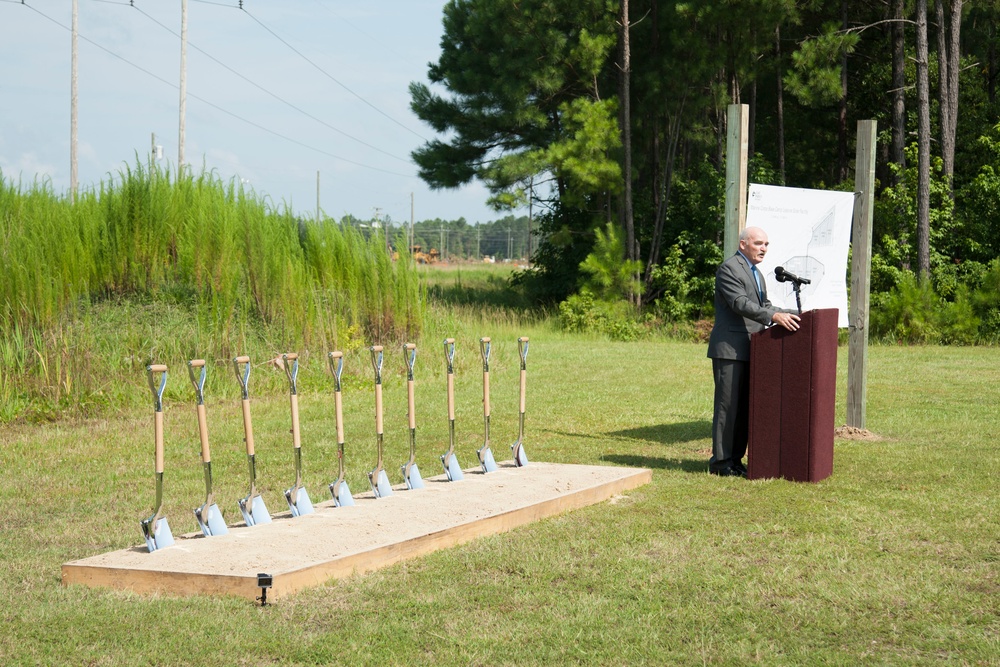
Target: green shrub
[[584, 313], [915, 313]]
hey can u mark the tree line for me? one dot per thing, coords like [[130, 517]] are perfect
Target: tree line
[[611, 115]]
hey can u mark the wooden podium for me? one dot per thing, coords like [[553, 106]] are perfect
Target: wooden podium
[[793, 387]]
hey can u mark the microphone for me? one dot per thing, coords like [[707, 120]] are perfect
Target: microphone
[[784, 276]]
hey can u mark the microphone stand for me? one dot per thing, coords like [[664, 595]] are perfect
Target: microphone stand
[[796, 285]]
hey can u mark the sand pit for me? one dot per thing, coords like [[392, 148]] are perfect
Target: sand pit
[[340, 541]]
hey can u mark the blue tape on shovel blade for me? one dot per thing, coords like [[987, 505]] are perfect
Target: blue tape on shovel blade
[[413, 480]]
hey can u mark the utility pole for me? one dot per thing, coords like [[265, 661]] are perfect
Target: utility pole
[[183, 87], [73, 106]]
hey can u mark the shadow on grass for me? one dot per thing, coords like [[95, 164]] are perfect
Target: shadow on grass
[[657, 463], [669, 434]]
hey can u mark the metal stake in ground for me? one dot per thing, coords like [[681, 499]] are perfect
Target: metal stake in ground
[[377, 478], [410, 471], [486, 459], [209, 515], [520, 457], [297, 496], [252, 507], [341, 492], [155, 528], [450, 462]]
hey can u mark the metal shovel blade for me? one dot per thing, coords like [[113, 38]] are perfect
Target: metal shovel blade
[[301, 503], [254, 511], [413, 478], [341, 496], [451, 468], [210, 520], [380, 485], [520, 457], [159, 537], [486, 459]]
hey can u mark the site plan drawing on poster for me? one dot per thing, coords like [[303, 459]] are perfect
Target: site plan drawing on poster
[[810, 235]]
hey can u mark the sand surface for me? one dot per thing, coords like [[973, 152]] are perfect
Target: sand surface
[[440, 515]]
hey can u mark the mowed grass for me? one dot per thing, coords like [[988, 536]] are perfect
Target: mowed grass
[[893, 560]]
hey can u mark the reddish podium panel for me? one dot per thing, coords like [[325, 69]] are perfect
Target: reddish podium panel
[[793, 388]]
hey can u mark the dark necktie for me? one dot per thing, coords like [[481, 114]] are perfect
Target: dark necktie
[[757, 279]]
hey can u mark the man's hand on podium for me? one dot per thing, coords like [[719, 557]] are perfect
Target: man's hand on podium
[[788, 320]]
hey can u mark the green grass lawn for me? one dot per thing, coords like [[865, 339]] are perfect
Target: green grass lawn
[[895, 559]]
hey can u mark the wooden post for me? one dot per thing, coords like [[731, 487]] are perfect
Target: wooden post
[[861, 266], [737, 137]]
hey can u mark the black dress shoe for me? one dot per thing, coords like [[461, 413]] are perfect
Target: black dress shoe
[[739, 467], [727, 472]]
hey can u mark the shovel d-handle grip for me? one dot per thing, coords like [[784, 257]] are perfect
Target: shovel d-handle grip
[[336, 359], [449, 357], [197, 380], [410, 356], [522, 351], [243, 376], [151, 372], [291, 370]]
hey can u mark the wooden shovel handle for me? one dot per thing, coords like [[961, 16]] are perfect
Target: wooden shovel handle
[[158, 440], [524, 383], [242, 360], [290, 356], [451, 396], [248, 427], [411, 412], [196, 363], [296, 439], [339, 406], [157, 368], [206, 456], [486, 393], [484, 348], [378, 409]]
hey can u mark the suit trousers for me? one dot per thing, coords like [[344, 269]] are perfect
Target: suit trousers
[[730, 426]]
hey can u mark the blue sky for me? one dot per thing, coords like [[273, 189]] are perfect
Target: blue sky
[[276, 92]]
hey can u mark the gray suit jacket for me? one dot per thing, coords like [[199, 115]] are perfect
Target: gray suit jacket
[[739, 310]]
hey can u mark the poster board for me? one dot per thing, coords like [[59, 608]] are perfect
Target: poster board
[[810, 236]]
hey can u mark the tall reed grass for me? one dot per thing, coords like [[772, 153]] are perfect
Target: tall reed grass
[[155, 244]]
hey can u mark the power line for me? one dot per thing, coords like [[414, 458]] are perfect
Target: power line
[[215, 106], [264, 90], [329, 76]]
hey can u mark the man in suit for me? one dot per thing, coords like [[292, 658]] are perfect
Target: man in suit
[[741, 308]]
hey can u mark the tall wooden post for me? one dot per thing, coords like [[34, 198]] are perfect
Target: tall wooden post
[[182, 112], [737, 143], [861, 266]]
